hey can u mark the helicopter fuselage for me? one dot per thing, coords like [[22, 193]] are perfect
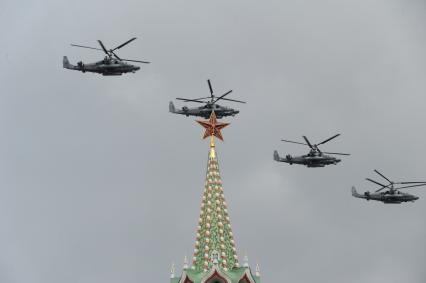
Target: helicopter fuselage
[[208, 107], [311, 160], [389, 196], [106, 67], [204, 111], [315, 158]]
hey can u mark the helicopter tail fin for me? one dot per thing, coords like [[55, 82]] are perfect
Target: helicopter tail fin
[[355, 193], [276, 156], [172, 107], [66, 64]]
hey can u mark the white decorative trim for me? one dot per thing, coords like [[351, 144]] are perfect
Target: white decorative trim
[[249, 276], [172, 270]]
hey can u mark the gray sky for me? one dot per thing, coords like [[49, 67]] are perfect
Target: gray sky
[[100, 184]]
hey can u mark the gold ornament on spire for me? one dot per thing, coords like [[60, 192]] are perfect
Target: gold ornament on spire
[[212, 127]]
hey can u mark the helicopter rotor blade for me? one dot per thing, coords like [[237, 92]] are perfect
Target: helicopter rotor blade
[[189, 100], [307, 142], [234, 100], [125, 43], [222, 96], [137, 61], [337, 153], [402, 183], [376, 191], [368, 179], [82, 46], [208, 97], [103, 47], [411, 186], [210, 87], [116, 56], [329, 139], [382, 176], [294, 142]]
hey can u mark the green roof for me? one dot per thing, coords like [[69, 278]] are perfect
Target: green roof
[[234, 275], [214, 235], [215, 249]]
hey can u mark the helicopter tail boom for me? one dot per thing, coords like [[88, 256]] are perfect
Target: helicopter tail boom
[[67, 65], [355, 193]]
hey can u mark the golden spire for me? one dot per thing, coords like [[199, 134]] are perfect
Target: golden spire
[[212, 147], [214, 245]]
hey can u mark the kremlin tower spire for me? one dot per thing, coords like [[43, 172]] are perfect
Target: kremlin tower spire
[[214, 233], [215, 256]]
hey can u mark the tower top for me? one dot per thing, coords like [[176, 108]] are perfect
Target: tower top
[[215, 255], [214, 245]]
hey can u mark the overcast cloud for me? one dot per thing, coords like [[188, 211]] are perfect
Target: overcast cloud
[[100, 184]]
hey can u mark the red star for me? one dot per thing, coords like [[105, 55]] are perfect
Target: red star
[[213, 127]]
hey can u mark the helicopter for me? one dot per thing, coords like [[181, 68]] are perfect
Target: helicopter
[[392, 194], [315, 157], [111, 65], [210, 105]]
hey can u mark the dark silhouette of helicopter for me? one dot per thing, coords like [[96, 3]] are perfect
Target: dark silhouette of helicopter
[[315, 157], [392, 194], [210, 105], [111, 65]]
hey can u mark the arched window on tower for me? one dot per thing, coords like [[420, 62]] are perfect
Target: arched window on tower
[[216, 278]]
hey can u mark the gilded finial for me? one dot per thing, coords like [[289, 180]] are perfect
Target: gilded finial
[[212, 127], [172, 270], [257, 270], [246, 263], [185, 263]]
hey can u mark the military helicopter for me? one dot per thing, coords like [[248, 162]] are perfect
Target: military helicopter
[[111, 65], [210, 105], [392, 194], [315, 157]]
